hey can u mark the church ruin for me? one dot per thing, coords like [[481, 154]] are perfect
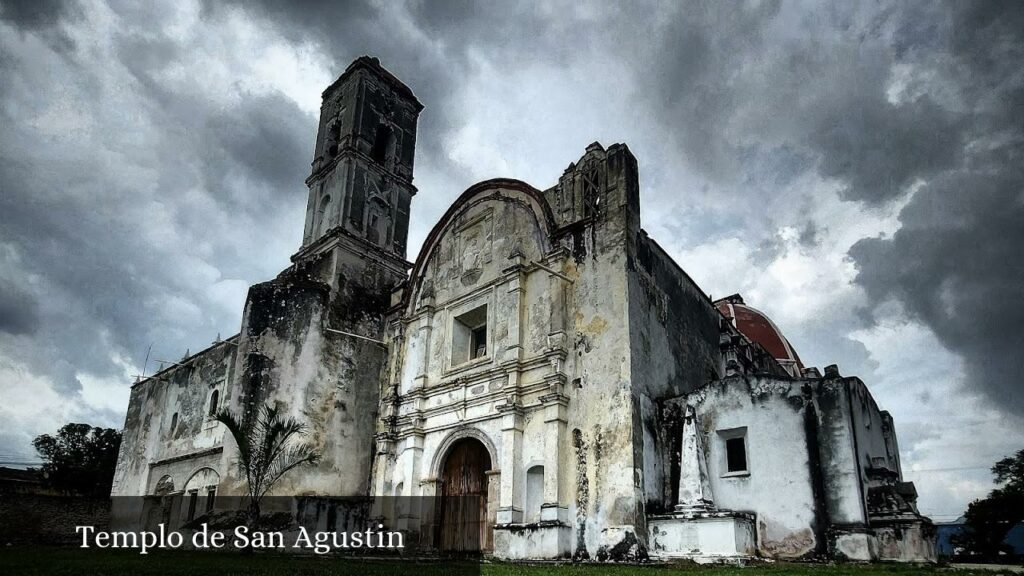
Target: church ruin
[[542, 352]]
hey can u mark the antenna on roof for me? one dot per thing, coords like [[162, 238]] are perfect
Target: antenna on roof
[[145, 363]]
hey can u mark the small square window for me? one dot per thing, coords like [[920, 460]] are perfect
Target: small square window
[[469, 336], [736, 454], [733, 459]]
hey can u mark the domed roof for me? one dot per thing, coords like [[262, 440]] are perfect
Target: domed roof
[[756, 326]]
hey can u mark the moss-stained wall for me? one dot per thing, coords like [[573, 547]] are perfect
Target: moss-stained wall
[[181, 394]]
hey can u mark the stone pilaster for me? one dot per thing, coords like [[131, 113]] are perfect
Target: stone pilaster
[[554, 506], [510, 498]]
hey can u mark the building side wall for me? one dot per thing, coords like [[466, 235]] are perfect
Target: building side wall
[[326, 379], [183, 390], [674, 338], [779, 485], [845, 496]]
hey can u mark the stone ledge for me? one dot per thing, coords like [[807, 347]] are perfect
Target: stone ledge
[[703, 536]]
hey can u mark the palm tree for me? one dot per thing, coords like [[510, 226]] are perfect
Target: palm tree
[[265, 452]]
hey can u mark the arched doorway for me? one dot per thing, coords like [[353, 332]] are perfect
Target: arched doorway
[[161, 504], [464, 525]]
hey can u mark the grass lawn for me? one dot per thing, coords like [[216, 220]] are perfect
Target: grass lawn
[[26, 561]]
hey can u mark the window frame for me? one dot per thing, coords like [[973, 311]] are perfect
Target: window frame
[[193, 504], [724, 437], [211, 498], [457, 323], [213, 404]]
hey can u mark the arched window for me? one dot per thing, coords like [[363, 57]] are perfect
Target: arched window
[[174, 424], [164, 486], [203, 481], [534, 493], [333, 137], [214, 397], [401, 504], [323, 216]]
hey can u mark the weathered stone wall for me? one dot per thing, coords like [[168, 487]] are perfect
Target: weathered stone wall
[[674, 332], [845, 498], [41, 519], [327, 380], [809, 445], [554, 389], [871, 428], [779, 487], [607, 510], [185, 391], [906, 542]]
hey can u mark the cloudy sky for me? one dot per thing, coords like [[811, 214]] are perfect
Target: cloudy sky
[[854, 170]]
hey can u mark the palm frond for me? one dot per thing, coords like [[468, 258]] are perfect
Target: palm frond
[[266, 448]]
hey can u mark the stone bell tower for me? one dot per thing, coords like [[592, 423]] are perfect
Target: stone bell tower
[[312, 339], [361, 181]]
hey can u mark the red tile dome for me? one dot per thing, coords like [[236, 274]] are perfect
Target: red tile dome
[[756, 326]]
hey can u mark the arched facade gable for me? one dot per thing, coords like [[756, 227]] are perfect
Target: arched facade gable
[[501, 190]]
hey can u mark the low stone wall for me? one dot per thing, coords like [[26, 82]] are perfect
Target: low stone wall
[[38, 519]]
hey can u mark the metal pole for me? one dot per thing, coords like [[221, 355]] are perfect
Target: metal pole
[[374, 340], [559, 274], [175, 363]]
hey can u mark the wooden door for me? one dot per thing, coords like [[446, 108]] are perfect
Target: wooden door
[[464, 526]]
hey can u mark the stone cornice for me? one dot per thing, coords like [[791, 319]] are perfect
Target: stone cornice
[[191, 456]]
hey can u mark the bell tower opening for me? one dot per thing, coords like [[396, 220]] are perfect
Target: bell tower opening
[[383, 142]]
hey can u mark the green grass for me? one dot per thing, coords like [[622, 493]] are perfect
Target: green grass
[[28, 561]]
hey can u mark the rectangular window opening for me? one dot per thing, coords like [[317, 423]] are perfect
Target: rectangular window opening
[[469, 336], [193, 498], [736, 454], [211, 494]]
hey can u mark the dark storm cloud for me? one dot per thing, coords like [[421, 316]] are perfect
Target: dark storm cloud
[[35, 14], [19, 311], [764, 80], [124, 220], [346, 30], [955, 263]]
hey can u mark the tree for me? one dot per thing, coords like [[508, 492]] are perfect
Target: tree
[[266, 451], [1009, 472], [988, 520], [80, 459]]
